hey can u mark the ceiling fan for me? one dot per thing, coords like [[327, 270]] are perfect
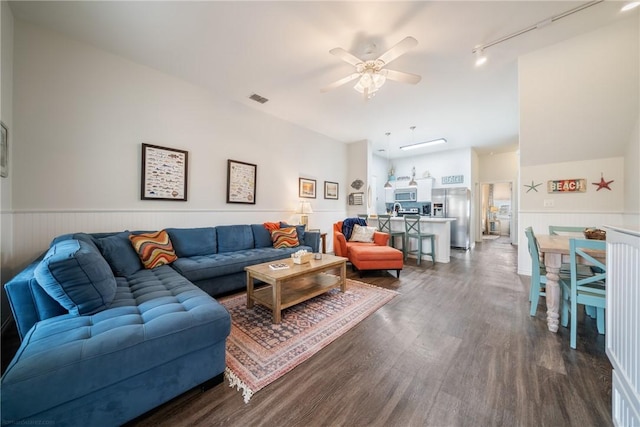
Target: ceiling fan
[[372, 74]]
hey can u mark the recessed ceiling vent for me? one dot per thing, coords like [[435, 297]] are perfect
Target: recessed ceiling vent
[[258, 98]]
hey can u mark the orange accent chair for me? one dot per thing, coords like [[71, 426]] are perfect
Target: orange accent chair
[[368, 256]]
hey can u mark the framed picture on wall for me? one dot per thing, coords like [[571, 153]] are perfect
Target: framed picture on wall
[[307, 188], [4, 152], [331, 190], [241, 182], [164, 173]]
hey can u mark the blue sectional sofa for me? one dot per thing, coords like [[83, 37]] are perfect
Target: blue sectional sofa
[[105, 339]]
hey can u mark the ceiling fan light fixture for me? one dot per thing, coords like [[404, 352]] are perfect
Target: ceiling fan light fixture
[[371, 81], [423, 144]]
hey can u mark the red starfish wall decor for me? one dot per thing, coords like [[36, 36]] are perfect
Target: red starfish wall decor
[[602, 184]]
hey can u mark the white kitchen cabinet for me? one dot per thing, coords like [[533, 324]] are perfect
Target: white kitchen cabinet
[[389, 193], [424, 189]]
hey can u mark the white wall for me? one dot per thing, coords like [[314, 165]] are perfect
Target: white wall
[[632, 176], [581, 92], [359, 157], [80, 116], [443, 163], [6, 115]]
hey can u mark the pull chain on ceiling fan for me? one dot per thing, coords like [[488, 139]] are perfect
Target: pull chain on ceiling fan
[[372, 74]]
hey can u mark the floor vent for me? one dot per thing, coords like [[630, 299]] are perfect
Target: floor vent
[[258, 98]]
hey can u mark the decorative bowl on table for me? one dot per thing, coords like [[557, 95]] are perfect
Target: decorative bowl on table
[[595, 234]]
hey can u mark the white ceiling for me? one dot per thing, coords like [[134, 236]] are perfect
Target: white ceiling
[[280, 50]]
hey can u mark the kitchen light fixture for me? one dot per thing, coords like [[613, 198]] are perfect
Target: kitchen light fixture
[[304, 209], [388, 183], [541, 24], [630, 6], [423, 144]]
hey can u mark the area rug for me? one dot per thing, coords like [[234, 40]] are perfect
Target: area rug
[[259, 352]]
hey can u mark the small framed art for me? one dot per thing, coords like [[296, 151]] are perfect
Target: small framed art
[[4, 152], [164, 173], [331, 190], [241, 182], [307, 188]]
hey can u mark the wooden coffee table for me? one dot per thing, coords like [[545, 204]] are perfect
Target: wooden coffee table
[[295, 284]]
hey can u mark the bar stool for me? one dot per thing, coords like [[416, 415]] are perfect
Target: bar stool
[[412, 228], [384, 225]]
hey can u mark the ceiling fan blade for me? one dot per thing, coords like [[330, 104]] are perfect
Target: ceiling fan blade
[[346, 56], [400, 48], [340, 82], [400, 76]]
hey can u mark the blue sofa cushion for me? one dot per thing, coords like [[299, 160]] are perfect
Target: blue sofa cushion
[[261, 236], [193, 241], [76, 275], [224, 263], [300, 230], [76, 236], [120, 255], [156, 317], [233, 238]]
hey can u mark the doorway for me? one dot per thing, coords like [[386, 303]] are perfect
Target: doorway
[[496, 208]]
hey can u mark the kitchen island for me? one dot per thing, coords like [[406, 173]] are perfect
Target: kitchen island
[[441, 227]]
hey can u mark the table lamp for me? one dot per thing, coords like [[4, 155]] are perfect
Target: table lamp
[[304, 210]]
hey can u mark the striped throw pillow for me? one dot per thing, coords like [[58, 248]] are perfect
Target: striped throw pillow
[[285, 238], [154, 249]]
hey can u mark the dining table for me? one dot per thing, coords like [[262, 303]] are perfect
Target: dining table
[[555, 251]]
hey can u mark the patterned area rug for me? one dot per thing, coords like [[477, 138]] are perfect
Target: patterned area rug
[[259, 352]]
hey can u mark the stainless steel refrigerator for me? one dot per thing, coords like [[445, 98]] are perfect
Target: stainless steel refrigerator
[[454, 203]]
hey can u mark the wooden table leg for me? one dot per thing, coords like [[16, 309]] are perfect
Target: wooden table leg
[[552, 263], [343, 277], [249, 290], [277, 301]]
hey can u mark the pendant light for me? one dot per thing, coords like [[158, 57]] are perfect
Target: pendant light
[[388, 184], [413, 182]]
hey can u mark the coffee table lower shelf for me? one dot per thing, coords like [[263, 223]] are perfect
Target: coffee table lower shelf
[[297, 291]]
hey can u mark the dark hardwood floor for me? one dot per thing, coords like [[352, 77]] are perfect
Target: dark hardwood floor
[[457, 347]]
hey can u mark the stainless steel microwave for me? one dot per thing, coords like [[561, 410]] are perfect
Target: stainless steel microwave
[[406, 195]]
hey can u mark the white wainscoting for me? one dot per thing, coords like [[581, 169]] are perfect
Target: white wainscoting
[[622, 334], [34, 230], [540, 221]]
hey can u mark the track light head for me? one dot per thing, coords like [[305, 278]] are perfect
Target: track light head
[[480, 57]]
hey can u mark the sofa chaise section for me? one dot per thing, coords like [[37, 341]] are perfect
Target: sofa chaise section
[[160, 337]]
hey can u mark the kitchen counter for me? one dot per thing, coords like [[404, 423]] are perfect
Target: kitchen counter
[[425, 219], [441, 227]]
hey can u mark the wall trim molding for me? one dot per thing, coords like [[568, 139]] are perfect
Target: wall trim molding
[[574, 212], [73, 211]]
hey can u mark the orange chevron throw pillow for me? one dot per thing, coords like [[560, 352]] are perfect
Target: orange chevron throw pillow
[[154, 249], [285, 238]]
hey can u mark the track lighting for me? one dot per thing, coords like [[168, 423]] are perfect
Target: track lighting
[[479, 50]]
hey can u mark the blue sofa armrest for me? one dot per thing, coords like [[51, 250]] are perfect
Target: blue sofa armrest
[[312, 238], [29, 302]]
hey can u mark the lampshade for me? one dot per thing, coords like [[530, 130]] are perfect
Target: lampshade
[[304, 209]]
